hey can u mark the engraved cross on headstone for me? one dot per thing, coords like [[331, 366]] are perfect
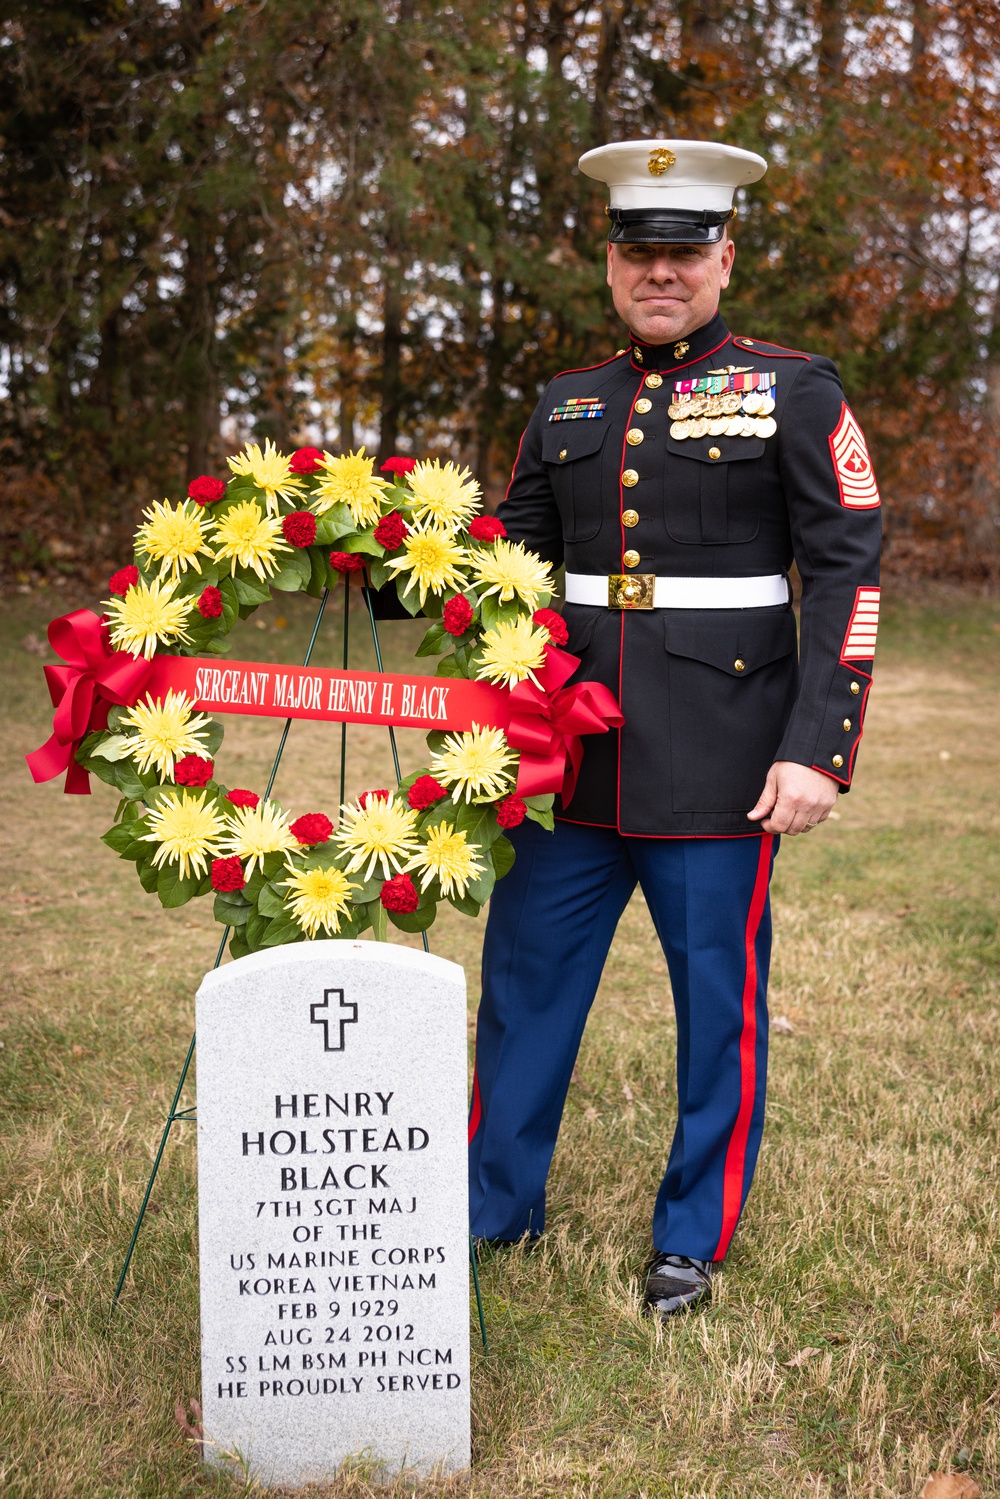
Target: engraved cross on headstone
[[329, 1018]]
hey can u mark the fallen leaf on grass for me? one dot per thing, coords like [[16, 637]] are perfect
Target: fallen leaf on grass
[[187, 1414], [950, 1486], [628, 1092], [782, 1025], [797, 1360]]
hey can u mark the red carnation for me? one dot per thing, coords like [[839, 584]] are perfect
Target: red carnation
[[487, 528], [347, 562], [193, 770], [511, 812], [367, 796], [425, 792], [210, 603], [243, 798], [314, 827], [399, 465], [227, 875], [391, 530], [300, 528], [124, 579], [457, 616], [305, 460], [553, 624], [400, 894], [205, 490]]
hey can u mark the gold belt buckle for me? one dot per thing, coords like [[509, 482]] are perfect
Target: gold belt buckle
[[631, 590]]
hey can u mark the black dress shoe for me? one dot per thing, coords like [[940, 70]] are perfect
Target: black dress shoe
[[676, 1283]]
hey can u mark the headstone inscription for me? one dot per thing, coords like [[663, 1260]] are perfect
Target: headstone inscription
[[333, 1210]]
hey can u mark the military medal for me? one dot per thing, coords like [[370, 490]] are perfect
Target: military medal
[[732, 402]]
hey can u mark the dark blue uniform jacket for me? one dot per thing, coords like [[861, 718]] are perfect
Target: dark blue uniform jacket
[[711, 697]]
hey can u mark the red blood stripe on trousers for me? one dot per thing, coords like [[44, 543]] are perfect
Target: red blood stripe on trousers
[[732, 1183], [476, 1112]]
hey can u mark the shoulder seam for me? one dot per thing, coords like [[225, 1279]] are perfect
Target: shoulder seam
[[585, 368], [778, 350]]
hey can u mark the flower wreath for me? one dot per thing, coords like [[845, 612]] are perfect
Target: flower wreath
[[304, 523]]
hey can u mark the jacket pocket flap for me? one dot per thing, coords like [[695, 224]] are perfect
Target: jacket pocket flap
[[731, 449], [735, 646], [580, 620], [562, 442]]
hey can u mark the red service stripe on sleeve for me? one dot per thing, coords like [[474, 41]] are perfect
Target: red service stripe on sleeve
[[852, 464], [859, 642]]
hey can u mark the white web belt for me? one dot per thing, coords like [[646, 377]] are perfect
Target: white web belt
[[646, 591]]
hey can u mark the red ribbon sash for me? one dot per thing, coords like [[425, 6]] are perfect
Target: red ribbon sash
[[542, 722]]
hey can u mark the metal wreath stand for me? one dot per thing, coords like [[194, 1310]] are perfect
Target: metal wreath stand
[[182, 1116]]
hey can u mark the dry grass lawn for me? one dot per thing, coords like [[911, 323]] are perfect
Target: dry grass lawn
[[853, 1344]]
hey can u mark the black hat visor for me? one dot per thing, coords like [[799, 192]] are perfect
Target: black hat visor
[[667, 226]]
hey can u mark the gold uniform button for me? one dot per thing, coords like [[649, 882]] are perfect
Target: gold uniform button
[[715, 453], [739, 664], [630, 517], [631, 559], [630, 478], [634, 436], [837, 761], [847, 725], [855, 688], [620, 352], [643, 405], [654, 381], [562, 454]]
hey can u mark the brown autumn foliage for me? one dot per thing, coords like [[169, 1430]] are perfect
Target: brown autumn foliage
[[360, 222]]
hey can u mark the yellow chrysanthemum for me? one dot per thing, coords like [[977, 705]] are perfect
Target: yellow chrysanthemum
[[511, 651], [448, 857], [349, 480], [433, 559], [248, 537], [188, 828], [320, 897], [383, 833], [449, 495], [166, 731], [509, 569], [174, 537], [147, 616], [476, 762], [252, 832], [269, 471]]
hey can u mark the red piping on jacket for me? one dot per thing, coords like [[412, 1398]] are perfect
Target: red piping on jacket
[[734, 1170], [476, 1111]]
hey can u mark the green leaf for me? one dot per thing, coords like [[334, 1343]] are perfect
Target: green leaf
[[230, 603], [481, 888], [119, 838], [448, 667], [317, 573], [101, 769], [148, 876], [269, 902], [174, 891], [337, 522], [377, 917], [434, 642], [503, 855], [544, 819], [250, 590], [415, 921], [230, 908], [128, 782], [489, 611], [295, 571], [435, 743], [113, 747], [379, 574], [213, 735], [409, 601], [282, 931], [541, 803], [273, 864], [256, 929], [364, 541], [238, 945], [466, 904], [254, 886]]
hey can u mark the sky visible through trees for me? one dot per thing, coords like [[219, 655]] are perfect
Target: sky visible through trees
[[351, 222]]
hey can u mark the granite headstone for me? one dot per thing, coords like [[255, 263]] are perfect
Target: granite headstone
[[333, 1211]]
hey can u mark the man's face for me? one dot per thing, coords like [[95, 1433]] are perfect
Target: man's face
[[664, 292]]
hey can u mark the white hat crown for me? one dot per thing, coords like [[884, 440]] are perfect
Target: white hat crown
[[693, 176]]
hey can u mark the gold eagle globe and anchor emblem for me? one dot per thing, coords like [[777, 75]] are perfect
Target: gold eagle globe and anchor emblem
[[660, 161]]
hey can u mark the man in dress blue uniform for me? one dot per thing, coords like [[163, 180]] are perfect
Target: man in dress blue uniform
[[677, 482]]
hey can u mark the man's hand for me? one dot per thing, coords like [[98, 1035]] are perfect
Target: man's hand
[[794, 798]]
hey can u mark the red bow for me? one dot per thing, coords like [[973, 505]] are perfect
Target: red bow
[[83, 690], [546, 723]]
